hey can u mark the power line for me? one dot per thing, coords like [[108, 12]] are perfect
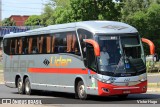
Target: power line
[[19, 6], [23, 3], [19, 11]]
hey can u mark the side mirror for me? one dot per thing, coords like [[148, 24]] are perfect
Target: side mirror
[[95, 46]]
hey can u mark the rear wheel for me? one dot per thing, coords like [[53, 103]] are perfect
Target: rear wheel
[[20, 86], [81, 90], [27, 86]]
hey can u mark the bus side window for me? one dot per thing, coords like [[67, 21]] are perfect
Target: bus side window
[[69, 41], [44, 45], [48, 42], [6, 46], [75, 45], [53, 43], [20, 46], [12, 47], [84, 34], [39, 45], [30, 45], [61, 43], [16, 46], [72, 43], [25, 43], [90, 58]]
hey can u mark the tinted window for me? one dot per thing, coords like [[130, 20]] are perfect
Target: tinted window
[[6, 46], [65, 42], [84, 34], [132, 40]]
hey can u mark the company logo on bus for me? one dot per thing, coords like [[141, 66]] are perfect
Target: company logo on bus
[[59, 61]]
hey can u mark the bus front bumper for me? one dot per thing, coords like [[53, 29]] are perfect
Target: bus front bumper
[[110, 89]]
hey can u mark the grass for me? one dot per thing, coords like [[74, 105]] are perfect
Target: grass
[[1, 66], [1, 77], [154, 85]]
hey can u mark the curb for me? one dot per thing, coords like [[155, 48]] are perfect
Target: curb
[[1, 82], [152, 90]]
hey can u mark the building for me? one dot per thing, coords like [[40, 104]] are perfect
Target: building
[[18, 19]]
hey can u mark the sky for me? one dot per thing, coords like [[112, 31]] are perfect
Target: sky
[[22, 7]]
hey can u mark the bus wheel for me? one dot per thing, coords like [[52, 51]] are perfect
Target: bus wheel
[[81, 90], [20, 86], [27, 86], [123, 96]]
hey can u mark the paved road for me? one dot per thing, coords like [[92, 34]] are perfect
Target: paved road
[[64, 98]]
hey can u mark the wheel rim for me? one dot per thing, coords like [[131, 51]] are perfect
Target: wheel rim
[[27, 87], [81, 91], [20, 86]]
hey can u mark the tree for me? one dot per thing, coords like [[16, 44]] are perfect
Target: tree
[[64, 11], [147, 21], [8, 22], [56, 12], [95, 9], [46, 16], [33, 20]]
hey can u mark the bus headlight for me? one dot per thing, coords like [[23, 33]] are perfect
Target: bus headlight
[[109, 82], [143, 79], [105, 81]]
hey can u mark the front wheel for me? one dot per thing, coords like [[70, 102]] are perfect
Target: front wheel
[[27, 86], [81, 90]]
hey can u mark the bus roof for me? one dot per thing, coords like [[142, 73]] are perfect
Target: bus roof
[[108, 27]]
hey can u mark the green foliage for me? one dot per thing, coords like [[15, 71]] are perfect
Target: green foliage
[[46, 16], [142, 14], [8, 22], [33, 20], [145, 16], [57, 12], [95, 10], [64, 11]]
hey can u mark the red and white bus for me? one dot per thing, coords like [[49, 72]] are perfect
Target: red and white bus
[[86, 58]]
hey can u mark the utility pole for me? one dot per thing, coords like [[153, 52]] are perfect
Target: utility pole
[[0, 12], [42, 6]]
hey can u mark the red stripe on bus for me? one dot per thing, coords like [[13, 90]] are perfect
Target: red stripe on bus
[[60, 70]]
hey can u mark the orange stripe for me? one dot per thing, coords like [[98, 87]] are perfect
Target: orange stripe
[[60, 70]]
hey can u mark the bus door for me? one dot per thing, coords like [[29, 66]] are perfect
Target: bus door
[[91, 60]]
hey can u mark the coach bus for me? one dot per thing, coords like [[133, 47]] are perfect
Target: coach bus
[[101, 58]]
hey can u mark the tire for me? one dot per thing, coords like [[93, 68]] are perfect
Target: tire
[[81, 91], [27, 86], [20, 86], [123, 96]]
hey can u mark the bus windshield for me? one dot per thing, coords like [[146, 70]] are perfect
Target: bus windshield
[[119, 54], [110, 54]]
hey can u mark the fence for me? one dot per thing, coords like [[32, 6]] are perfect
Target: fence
[[15, 29]]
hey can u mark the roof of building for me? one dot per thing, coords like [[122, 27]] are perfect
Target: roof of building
[[18, 19]]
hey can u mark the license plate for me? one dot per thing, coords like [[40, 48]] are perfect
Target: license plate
[[126, 92]]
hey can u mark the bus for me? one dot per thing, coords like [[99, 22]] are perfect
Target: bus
[[102, 58]]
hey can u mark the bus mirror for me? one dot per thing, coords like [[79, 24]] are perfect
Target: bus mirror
[[95, 45], [151, 45]]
